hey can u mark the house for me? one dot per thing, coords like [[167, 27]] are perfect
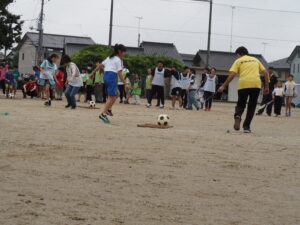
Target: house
[[222, 61], [281, 68], [294, 61], [52, 43]]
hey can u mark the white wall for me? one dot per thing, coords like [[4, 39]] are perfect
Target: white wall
[[296, 74], [26, 64], [232, 90]]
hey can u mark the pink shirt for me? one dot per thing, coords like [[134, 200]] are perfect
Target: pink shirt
[[3, 72]]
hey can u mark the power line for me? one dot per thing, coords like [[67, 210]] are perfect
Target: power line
[[202, 32], [241, 7]]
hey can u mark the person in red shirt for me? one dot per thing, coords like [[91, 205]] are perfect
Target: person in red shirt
[[30, 88], [59, 78]]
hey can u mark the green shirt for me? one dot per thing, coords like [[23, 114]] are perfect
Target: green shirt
[[89, 81], [137, 90], [98, 78], [16, 74], [148, 82]]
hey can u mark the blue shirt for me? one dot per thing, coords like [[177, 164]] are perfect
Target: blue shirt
[[37, 74], [49, 70], [10, 77]]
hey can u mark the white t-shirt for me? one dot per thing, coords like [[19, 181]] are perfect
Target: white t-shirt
[[174, 82], [72, 70], [113, 64], [278, 92], [210, 84], [159, 77], [185, 81]]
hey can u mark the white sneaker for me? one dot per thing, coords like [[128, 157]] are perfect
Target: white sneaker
[[148, 105], [161, 106]]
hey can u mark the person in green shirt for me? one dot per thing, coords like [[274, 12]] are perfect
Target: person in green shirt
[[121, 87], [137, 89], [148, 83], [82, 90], [129, 89], [16, 74], [98, 86], [89, 83]]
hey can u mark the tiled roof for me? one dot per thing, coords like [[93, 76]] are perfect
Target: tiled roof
[[280, 64]]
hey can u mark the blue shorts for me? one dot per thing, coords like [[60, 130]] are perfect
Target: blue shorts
[[44, 82], [111, 83]]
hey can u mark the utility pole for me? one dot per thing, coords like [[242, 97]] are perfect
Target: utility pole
[[41, 33], [111, 22], [139, 29], [265, 47], [231, 36], [209, 33]]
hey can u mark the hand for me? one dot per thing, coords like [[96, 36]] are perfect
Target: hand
[[221, 89], [266, 91]]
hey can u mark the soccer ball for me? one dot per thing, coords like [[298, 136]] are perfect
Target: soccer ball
[[92, 104], [163, 120]]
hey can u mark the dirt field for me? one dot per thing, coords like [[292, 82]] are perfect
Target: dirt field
[[63, 167]]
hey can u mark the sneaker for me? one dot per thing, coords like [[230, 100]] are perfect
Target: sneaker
[[161, 106], [68, 106], [247, 131], [237, 122], [209, 110], [290, 114], [109, 112], [148, 105], [49, 102], [104, 118], [269, 114], [287, 114], [198, 109], [121, 101], [73, 107]]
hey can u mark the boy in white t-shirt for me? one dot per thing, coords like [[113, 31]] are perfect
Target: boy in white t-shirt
[[277, 95]]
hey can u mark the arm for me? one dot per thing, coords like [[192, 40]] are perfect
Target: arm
[[99, 67], [266, 76], [33, 89], [120, 74], [227, 82], [24, 87]]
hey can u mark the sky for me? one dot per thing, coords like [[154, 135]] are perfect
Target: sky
[[271, 33]]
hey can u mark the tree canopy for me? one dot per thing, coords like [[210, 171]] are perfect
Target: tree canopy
[[135, 63], [10, 27]]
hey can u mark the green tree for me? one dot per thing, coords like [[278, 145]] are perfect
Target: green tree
[[10, 27]]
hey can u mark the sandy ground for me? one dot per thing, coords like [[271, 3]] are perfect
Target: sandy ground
[[63, 167]]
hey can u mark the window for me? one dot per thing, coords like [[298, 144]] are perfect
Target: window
[[294, 68], [23, 56]]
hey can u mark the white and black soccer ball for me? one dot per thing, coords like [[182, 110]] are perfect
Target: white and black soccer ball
[[92, 104], [163, 120]]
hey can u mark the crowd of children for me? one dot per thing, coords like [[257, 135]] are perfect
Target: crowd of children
[[50, 82]]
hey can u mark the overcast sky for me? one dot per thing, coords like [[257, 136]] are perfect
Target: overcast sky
[[280, 31]]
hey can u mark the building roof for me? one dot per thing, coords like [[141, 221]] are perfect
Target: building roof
[[280, 64], [58, 41], [134, 50], [295, 51], [161, 49], [223, 60], [188, 59]]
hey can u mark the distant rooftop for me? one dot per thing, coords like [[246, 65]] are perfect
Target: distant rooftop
[[280, 64]]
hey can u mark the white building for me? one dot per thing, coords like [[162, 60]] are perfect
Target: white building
[[294, 61]]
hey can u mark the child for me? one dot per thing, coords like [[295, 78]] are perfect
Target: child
[[121, 85], [59, 79], [176, 87], [89, 83], [16, 74], [210, 88], [48, 69], [82, 90], [185, 83], [73, 80], [137, 90], [148, 84], [192, 89], [128, 89], [30, 88], [9, 82], [277, 95], [290, 92], [113, 67]]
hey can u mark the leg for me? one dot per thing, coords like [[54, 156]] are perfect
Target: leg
[[253, 97], [68, 95], [152, 93], [97, 93], [104, 93], [210, 100], [264, 101], [72, 96], [193, 99], [269, 107], [173, 100], [162, 95]]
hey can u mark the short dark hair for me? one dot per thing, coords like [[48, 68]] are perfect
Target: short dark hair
[[174, 67], [241, 51], [206, 68], [193, 71], [159, 61], [292, 76], [51, 57], [271, 68], [118, 48], [213, 69], [186, 67], [62, 69], [66, 59]]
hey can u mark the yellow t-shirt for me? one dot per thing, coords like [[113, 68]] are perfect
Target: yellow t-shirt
[[249, 68]]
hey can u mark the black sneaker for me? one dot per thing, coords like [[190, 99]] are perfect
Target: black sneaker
[[109, 112], [104, 118], [73, 107], [49, 102], [237, 123], [247, 130], [68, 106], [46, 103]]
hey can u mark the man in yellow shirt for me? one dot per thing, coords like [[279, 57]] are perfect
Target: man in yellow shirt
[[249, 86]]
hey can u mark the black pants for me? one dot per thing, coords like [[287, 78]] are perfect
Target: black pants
[[31, 93], [148, 93], [278, 104], [208, 98], [184, 95], [244, 94], [160, 91], [89, 92], [266, 99], [104, 93], [122, 92], [2, 84]]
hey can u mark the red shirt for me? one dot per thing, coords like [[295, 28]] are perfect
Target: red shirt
[[29, 86], [60, 79]]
